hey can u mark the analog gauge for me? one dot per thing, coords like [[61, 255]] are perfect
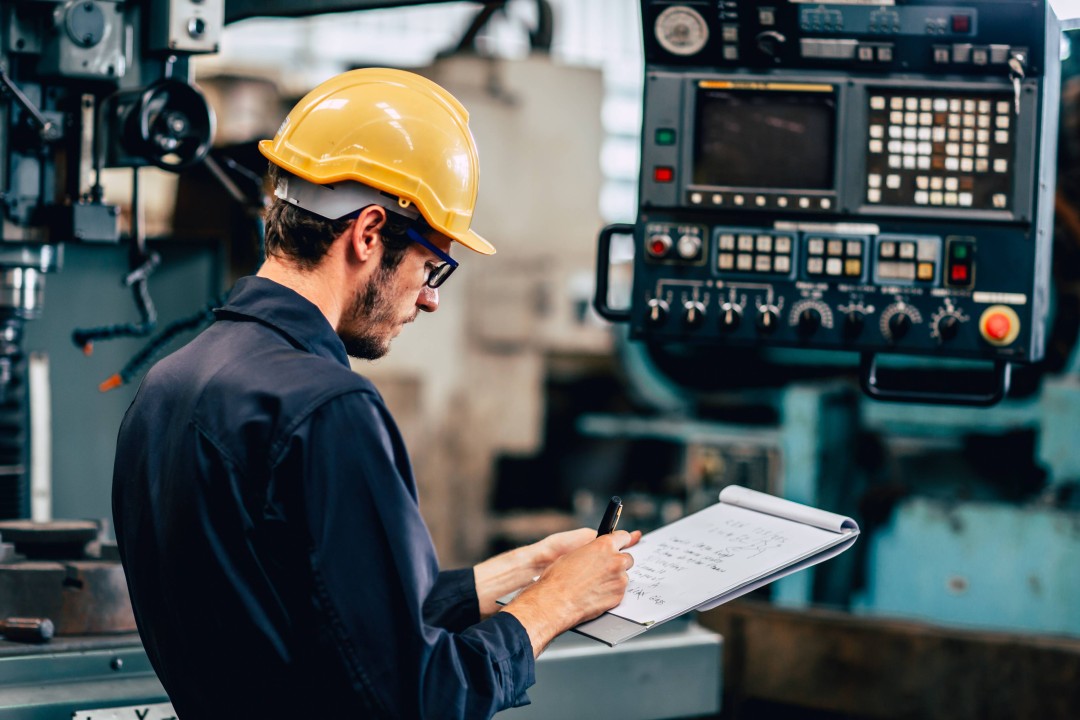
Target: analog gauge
[[681, 30]]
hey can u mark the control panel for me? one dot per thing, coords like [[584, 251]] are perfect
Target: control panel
[[869, 175]]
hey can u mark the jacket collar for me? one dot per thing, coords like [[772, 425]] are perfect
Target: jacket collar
[[286, 311]]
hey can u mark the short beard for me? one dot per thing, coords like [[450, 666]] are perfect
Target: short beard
[[369, 310]]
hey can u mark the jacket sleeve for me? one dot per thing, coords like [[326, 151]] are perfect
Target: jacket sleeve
[[452, 602], [401, 633]]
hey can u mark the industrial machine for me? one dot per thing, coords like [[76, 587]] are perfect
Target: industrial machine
[[873, 177], [843, 195], [84, 86], [88, 86], [831, 192]]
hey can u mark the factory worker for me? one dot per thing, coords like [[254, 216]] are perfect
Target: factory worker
[[264, 503]]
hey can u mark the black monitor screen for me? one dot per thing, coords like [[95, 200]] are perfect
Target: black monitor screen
[[765, 139]]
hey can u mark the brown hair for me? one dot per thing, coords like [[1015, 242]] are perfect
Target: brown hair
[[304, 238]]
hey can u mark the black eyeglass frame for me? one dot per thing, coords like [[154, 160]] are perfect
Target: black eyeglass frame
[[443, 270], [440, 272]]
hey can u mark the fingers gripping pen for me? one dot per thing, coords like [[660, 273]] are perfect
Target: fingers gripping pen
[[611, 516]]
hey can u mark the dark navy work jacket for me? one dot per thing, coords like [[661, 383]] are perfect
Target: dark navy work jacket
[[268, 523]]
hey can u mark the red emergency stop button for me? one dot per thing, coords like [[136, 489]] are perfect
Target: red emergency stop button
[[999, 325]]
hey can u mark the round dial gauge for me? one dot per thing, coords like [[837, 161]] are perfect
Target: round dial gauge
[[681, 30]]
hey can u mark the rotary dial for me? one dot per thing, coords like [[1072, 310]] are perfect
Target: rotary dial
[[681, 30]]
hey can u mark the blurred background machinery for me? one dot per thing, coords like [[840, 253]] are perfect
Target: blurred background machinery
[[86, 88], [862, 195], [124, 177], [120, 182]]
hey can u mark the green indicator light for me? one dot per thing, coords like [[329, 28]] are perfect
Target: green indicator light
[[665, 136], [960, 251]]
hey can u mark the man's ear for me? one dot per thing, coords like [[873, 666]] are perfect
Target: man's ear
[[363, 234]]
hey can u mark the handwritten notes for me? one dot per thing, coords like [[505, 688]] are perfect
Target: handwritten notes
[[692, 560]]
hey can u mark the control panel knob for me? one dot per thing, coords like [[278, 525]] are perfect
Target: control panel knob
[[809, 322], [658, 311], [693, 313], [948, 327], [658, 245], [767, 321], [770, 42], [899, 325], [854, 322], [730, 317], [689, 247]]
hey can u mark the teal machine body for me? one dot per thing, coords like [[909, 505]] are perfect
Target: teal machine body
[[861, 195]]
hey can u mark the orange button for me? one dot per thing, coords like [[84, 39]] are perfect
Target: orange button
[[998, 326]]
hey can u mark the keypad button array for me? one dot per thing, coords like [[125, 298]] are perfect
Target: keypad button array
[[909, 260], [834, 257], [754, 252], [891, 259], [939, 150]]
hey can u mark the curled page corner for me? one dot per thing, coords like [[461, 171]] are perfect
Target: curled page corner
[[787, 509]]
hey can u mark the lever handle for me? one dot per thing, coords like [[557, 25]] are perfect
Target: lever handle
[[603, 268], [908, 392]]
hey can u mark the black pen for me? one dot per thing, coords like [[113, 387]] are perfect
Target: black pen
[[611, 516]]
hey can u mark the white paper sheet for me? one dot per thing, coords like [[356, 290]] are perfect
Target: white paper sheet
[[713, 552]]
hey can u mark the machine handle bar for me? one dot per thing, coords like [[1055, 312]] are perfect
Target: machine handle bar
[[603, 268], [907, 392]]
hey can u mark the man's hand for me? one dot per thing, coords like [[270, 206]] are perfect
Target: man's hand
[[576, 587], [555, 546], [515, 569]]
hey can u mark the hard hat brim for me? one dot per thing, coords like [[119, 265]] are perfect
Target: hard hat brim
[[474, 242]]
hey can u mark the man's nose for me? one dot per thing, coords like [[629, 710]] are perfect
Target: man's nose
[[428, 300]]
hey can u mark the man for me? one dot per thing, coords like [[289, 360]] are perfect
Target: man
[[263, 499]]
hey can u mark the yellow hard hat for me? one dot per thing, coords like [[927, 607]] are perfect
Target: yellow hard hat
[[394, 131]]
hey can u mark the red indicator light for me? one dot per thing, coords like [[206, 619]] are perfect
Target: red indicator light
[[663, 174], [998, 326], [959, 274], [658, 247], [961, 23]]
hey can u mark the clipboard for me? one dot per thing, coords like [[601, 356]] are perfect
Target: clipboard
[[745, 541]]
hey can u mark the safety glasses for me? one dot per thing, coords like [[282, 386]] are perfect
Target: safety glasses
[[438, 274]]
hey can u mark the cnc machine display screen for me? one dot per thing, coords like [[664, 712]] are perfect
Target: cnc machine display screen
[[765, 139]]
